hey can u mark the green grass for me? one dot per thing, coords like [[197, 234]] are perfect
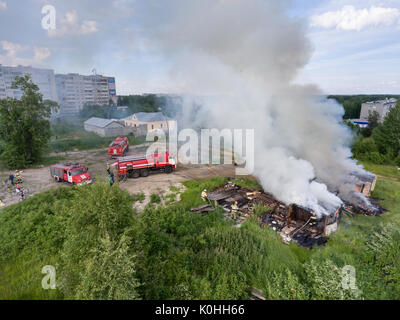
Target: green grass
[[49, 160], [386, 171], [260, 210], [139, 197], [174, 189], [155, 198], [191, 256], [71, 138]]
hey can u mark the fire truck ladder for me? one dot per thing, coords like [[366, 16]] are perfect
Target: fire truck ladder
[[132, 158]]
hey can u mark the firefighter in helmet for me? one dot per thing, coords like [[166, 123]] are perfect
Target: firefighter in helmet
[[18, 176], [234, 210], [204, 195]]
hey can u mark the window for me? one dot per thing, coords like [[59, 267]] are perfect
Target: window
[[79, 171]]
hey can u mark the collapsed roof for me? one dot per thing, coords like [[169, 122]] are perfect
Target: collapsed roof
[[292, 222]]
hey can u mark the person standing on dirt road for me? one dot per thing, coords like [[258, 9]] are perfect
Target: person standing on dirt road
[[11, 178], [108, 168]]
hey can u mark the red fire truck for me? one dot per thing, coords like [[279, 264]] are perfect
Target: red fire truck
[[76, 174], [119, 147], [141, 165]]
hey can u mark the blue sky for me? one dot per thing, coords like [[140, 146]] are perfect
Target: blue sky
[[356, 43]]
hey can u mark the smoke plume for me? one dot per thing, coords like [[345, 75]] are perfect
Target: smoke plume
[[241, 57]]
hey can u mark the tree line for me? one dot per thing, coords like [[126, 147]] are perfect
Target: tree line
[[379, 142]]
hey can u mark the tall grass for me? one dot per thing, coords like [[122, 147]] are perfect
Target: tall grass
[[185, 255]]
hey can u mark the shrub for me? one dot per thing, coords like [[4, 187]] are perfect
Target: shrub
[[376, 157], [397, 161]]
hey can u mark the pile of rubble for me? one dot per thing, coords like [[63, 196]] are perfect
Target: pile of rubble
[[293, 223], [366, 185]]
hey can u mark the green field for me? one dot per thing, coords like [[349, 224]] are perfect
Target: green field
[[103, 251], [69, 136]]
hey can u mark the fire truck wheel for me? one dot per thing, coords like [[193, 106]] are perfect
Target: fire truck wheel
[[135, 174], [168, 169], [144, 172]]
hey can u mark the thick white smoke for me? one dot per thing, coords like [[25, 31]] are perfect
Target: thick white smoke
[[242, 56]]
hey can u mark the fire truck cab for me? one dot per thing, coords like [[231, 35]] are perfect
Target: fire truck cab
[[76, 174], [118, 148]]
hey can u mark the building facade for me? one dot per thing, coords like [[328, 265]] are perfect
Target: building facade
[[153, 121], [43, 78], [75, 91], [382, 107], [106, 127]]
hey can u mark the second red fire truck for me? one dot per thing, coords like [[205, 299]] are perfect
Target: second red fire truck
[[118, 148], [136, 166], [76, 174]]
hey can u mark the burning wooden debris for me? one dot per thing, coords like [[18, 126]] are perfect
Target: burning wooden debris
[[366, 183], [293, 223], [372, 209], [203, 209]]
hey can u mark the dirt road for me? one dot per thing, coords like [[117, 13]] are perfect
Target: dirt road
[[38, 180]]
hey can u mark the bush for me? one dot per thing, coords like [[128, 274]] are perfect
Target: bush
[[376, 157], [366, 149], [87, 233], [105, 214], [397, 161]]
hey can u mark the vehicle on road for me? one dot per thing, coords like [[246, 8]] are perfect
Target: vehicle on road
[[76, 174], [140, 165], [118, 148]]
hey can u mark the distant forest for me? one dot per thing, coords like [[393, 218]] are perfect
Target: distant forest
[[352, 103], [172, 105]]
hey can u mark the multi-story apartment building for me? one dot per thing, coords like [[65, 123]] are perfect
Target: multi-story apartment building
[[75, 91], [71, 91], [43, 78], [382, 107]]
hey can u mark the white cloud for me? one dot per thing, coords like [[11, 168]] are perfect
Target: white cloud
[[349, 18], [69, 25], [13, 51], [3, 5], [41, 54]]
